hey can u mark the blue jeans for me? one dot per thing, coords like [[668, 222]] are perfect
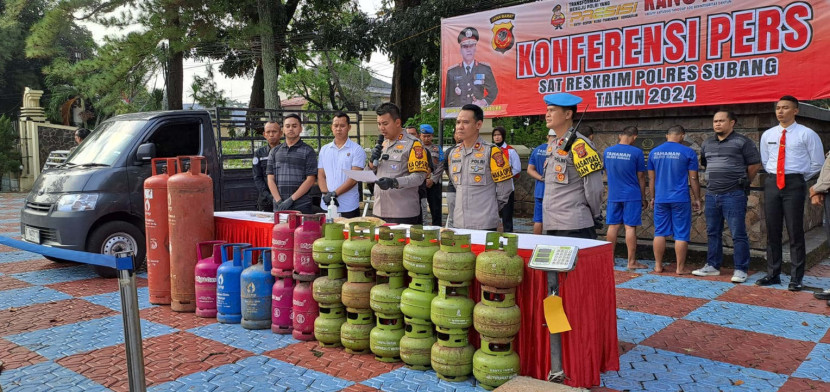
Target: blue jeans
[[730, 206]]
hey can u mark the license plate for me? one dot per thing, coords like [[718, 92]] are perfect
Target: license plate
[[32, 234]]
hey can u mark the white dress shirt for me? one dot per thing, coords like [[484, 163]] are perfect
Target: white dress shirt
[[333, 161], [804, 151]]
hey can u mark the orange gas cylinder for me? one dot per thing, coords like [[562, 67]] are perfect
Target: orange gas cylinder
[[190, 213], [157, 233]]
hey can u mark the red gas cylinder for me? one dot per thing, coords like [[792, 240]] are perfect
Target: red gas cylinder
[[282, 242], [309, 231], [282, 315], [190, 217], [157, 233], [305, 311], [206, 277]]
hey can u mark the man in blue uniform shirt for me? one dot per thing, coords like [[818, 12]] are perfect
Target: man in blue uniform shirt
[[626, 167]]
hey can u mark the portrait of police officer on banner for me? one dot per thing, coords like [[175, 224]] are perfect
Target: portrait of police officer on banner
[[471, 81]]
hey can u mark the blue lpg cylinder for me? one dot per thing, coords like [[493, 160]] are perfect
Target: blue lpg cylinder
[[256, 283], [227, 285]]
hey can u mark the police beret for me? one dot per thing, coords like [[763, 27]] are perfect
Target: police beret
[[562, 99], [467, 33], [427, 129]]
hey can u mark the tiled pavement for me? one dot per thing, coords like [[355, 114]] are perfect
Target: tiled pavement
[[60, 329]]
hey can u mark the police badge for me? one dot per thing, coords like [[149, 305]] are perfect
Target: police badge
[[503, 38]]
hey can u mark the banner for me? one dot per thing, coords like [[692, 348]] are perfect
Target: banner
[[634, 55]]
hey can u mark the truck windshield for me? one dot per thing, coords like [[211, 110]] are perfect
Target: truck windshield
[[104, 145]]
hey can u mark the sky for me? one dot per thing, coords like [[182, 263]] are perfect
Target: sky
[[240, 88]]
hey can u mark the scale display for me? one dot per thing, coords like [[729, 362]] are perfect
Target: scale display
[[554, 258]]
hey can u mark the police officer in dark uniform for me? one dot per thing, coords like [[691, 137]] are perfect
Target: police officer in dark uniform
[[470, 81], [272, 135]]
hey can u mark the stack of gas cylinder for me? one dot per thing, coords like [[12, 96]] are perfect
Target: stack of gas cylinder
[[416, 300], [497, 317], [282, 268], [328, 254], [357, 255], [293, 308], [451, 310], [385, 296]]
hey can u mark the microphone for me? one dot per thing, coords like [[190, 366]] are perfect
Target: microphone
[[379, 143]]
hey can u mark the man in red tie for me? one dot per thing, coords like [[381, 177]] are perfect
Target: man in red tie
[[791, 154]]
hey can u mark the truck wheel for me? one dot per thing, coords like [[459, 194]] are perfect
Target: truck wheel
[[115, 237]]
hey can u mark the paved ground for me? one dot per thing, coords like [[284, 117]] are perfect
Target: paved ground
[[60, 329]]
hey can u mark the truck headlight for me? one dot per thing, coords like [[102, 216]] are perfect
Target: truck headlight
[[77, 202]]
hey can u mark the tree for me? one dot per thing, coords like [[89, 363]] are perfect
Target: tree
[[10, 157], [205, 92], [328, 83], [17, 71]]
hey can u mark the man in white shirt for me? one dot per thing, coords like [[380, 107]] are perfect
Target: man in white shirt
[[341, 154], [791, 154]]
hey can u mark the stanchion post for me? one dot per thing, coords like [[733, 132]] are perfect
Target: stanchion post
[[132, 322], [555, 338]]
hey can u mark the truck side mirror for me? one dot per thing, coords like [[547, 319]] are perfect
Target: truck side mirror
[[146, 152]]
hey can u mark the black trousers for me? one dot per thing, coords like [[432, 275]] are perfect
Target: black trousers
[[785, 206], [434, 201], [415, 220], [350, 214], [587, 232], [507, 213]]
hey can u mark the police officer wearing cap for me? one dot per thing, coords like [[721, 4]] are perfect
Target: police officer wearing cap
[[272, 135], [573, 174], [402, 166], [480, 172], [434, 179], [470, 81]]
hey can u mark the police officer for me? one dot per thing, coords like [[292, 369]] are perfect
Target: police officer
[[480, 172], [433, 183], [272, 135], [573, 174], [402, 166], [470, 81]]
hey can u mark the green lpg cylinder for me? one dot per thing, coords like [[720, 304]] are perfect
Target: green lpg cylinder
[[417, 254], [451, 309], [495, 364], [355, 337], [497, 322], [357, 250], [327, 326], [454, 262], [387, 254], [499, 265], [356, 295], [450, 337], [328, 291], [415, 352], [416, 306], [328, 250], [452, 363], [385, 300], [385, 338]]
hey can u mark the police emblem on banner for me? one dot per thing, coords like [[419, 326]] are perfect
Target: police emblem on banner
[[503, 38], [557, 20]]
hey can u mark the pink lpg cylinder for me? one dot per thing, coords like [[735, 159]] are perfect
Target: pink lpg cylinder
[[309, 231], [282, 316], [305, 312], [282, 242], [205, 276]]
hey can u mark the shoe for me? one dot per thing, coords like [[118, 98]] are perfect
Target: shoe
[[768, 281], [823, 295], [795, 286], [707, 270], [739, 276]]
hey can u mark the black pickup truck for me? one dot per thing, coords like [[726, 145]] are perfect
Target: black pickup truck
[[94, 201]]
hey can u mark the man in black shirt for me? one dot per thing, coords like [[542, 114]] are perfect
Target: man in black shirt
[[272, 135], [292, 169], [731, 161]]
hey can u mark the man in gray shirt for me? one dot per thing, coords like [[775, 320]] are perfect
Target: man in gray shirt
[[731, 161]]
